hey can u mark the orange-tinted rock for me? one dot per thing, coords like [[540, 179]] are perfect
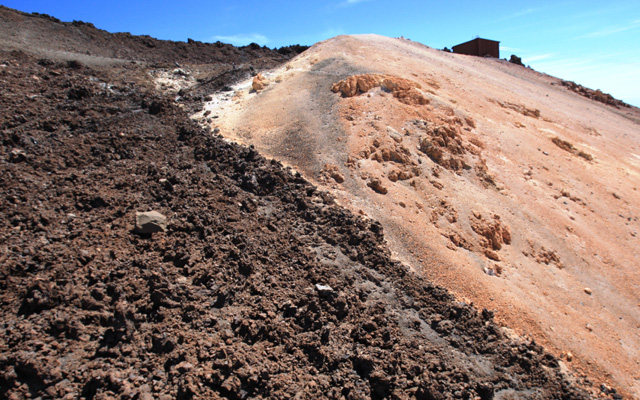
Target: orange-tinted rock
[[494, 233], [259, 82], [402, 89], [492, 255], [377, 186], [332, 171]]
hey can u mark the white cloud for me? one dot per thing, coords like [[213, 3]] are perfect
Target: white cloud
[[242, 39]]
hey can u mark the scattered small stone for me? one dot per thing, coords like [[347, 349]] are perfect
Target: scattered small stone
[[150, 222], [588, 291], [184, 367], [394, 134], [437, 184], [17, 155], [337, 176], [377, 186], [324, 289], [492, 255], [489, 271]]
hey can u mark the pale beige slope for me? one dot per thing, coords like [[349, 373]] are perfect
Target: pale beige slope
[[573, 222]]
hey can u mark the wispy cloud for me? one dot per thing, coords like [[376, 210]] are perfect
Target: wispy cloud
[[542, 11], [517, 14], [242, 39], [539, 57], [520, 13], [611, 30], [348, 3], [507, 48], [566, 67], [609, 9]]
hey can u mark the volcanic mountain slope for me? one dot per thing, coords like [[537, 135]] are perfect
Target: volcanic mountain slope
[[493, 180], [210, 65], [260, 286]]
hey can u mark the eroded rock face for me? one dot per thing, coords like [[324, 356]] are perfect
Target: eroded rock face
[[404, 90], [494, 234], [443, 144]]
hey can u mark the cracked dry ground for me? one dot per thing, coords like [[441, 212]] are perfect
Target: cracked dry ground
[[261, 287]]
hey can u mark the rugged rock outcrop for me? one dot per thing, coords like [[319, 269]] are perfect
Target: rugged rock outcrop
[[259, 82], [596, 95], [404, 90]]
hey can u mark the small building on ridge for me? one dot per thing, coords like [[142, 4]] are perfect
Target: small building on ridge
[[479, 47]]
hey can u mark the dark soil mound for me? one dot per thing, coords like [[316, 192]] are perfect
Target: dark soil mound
[[260, 286], [41, 32]]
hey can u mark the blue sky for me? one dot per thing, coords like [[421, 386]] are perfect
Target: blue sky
[[594, 43]]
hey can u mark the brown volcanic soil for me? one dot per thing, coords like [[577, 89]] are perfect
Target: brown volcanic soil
[[493, 180]]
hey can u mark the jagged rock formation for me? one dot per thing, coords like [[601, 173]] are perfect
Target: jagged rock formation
[[404, 90]]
